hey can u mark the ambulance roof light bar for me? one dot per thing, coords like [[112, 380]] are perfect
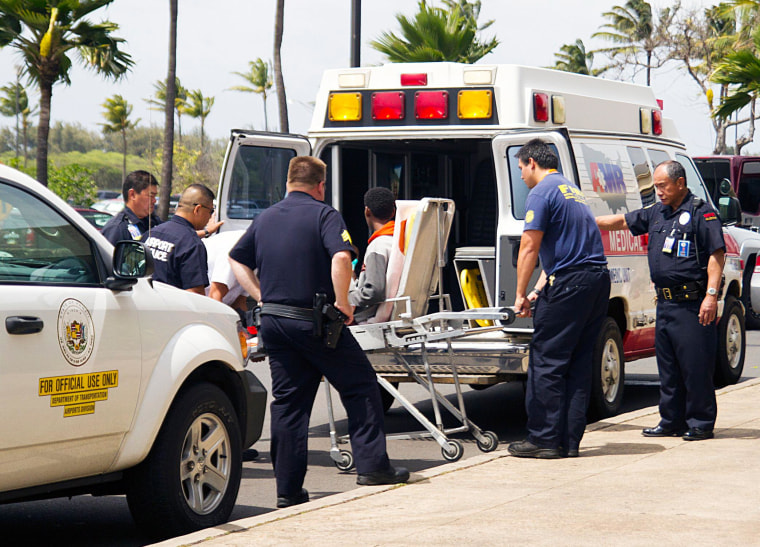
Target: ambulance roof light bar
[[431, 105], [420, 79]]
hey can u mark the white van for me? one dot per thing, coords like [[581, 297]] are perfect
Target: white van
[[452, 130]]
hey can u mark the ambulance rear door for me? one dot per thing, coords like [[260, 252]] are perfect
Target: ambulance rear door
[[512, 192], [253, 174]]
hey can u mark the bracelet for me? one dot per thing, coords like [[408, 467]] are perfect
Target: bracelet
[[537, 291]]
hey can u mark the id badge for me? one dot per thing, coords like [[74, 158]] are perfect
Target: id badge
[[667, 247], [134, 231], [683, 248]]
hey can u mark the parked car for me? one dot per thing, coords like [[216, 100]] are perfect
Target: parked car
[[112, 383], [107, 194], [94, 217], [111, 206]]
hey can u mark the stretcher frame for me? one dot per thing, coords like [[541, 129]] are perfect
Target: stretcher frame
[[408, 332]]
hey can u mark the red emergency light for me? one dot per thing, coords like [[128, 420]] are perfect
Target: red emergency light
[[388, 105], [414, 79], [541, 107], [431, 105], [657, 122]]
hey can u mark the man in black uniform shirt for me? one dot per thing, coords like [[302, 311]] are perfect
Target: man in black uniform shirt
[[137, 217], [293, 250], [686, 254], [179, 254]]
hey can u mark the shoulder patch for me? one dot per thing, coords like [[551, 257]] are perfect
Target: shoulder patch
[[710, 216], [346, 236], [529, 216]]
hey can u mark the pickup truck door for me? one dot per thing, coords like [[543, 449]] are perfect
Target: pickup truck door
[[511, 192], [254, 172], [71, 357]]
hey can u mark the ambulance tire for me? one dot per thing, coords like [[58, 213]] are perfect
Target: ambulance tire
[[191, 477], [387, 398], [732, 340], [608, 375]]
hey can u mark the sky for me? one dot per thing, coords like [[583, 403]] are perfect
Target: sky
[[219, 37]]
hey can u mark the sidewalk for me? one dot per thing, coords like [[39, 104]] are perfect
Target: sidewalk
[[624, 489]]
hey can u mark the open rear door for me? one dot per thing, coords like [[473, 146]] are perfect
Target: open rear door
[[512, 192], [254, 173]]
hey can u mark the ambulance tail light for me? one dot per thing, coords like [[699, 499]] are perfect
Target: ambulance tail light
[[657, 122], [414, 79], [474, 104], [431, 105], [345, 107], [732, 247], [388, 105], [540, 107]]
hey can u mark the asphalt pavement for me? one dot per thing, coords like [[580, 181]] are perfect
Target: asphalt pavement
[[624, 489]]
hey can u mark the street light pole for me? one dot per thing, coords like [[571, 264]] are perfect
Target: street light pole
[[356, 32]]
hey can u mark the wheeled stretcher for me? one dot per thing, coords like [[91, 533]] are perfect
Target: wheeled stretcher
[[401, 338]]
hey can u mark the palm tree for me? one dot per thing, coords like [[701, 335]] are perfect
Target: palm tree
[[158, 101], [45, 33], [117, 113], [575, 58], [199, 107], [261, 82], [741, 71], [282, 101], [167, 156], [633, 27], [437, 34], [15, 103]]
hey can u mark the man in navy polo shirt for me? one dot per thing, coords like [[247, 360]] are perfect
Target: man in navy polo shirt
[[178, 252], [571, 303]]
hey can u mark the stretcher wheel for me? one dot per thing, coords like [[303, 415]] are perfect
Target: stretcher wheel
[[346, 461], [490, 443], [452, 451]]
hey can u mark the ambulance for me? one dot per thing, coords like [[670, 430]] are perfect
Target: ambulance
[[452, 130]]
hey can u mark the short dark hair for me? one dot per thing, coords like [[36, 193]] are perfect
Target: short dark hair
[[541, 153], [203, 190], [674, 170], [381, 203], [137, 181], [306, 170]]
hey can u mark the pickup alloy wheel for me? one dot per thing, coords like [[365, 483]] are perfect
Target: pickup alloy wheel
[[191, 477]]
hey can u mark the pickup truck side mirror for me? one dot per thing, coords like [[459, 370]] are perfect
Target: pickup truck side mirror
[[131, 260]]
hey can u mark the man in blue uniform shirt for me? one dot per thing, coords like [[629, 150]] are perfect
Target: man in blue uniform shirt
[[179, 254], [570, 298], [293, 250], [137, 217], [686, 254]]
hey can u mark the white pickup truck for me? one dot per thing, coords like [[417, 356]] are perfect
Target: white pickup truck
[[111, 383]]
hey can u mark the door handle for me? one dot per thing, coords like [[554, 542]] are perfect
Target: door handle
[[23, 324]]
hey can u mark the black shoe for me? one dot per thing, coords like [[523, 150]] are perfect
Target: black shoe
[[250, 454], [297, 499], [698, 434], [660, 431], [526, 449], [570, 453], [391, 475]]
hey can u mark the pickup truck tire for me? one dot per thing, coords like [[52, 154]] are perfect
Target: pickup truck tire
[[732, 340], [191, 477], [608, 375]]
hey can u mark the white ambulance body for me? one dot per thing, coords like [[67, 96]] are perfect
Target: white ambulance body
[[452, 130]]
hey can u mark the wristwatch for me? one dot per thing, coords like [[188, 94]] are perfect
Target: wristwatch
[[206, 234], [712, 291]]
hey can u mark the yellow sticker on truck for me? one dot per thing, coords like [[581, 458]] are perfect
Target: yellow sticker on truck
[[78, 393]]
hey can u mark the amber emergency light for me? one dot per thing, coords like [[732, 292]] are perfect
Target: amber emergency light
[[345, 107], [474, 104]]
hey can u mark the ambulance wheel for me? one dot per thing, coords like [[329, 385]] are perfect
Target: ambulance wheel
[[191, 477], [608, 375], [452, 451], [387, 398], [732, 341], [346, 462], [490, 443]]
